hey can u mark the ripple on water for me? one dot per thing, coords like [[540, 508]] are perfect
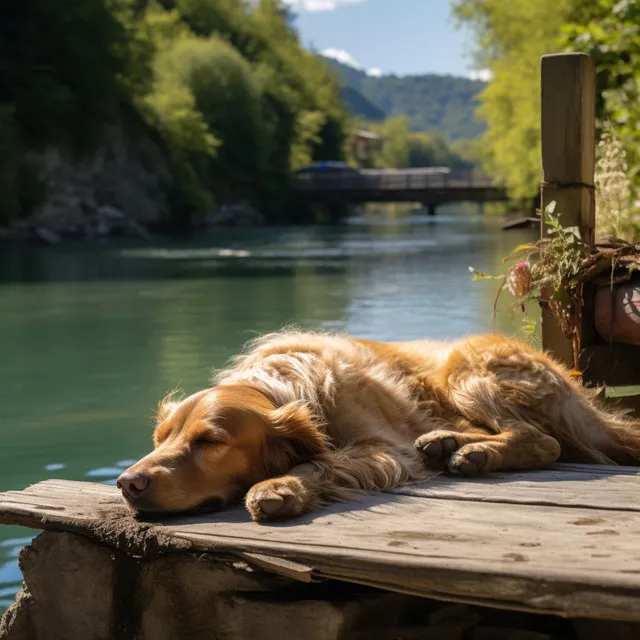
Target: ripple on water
[[123, 464], [105, 472], [55, 466], [16, 542]]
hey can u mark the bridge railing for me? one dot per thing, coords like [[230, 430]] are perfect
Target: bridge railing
[[393, 180]]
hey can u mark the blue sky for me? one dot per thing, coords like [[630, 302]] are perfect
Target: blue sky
[[392, 36]]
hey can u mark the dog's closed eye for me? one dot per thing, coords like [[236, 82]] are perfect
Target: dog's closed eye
[[207, 440]]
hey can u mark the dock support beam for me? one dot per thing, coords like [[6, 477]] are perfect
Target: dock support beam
[[568, 163], [431, 209]]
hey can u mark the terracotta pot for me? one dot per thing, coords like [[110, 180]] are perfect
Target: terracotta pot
[[624, 301]]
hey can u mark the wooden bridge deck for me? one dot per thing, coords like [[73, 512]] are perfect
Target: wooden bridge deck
[[562, 541], [399, 185]]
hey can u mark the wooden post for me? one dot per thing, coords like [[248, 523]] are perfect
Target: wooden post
[[568, 160]]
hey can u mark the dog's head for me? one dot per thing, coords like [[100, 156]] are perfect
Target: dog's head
[[212, 446]]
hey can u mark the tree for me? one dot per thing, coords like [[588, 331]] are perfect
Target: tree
[[395, 143], [609, 30], [511, 37], [235, 98]]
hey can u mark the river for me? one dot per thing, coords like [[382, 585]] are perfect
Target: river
[[91, 336]]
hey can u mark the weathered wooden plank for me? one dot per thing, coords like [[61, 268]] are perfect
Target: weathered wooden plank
[[282, 567], [577, 562], [586, 486], [470, 541], [568, 485]]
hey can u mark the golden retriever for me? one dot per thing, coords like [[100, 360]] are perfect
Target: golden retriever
[[304, 419]]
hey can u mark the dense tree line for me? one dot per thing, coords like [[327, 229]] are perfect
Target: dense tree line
[[225, 85], [403, 148]]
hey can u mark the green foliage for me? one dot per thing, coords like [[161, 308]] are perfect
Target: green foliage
[[549, 272], [309, 125], [433, 150], [236, 99], [65, 69], [609, 30], [395, 148], [617, 212], [216, 98], [510, 38], [402, 148], [442, 104], [360, 106], [9, 196]]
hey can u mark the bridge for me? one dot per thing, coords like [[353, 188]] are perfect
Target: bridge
[[429, 186]]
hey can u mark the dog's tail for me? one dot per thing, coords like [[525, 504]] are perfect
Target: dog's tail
[[597, 433]]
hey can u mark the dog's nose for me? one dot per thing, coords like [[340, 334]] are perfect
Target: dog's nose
[[133, 484]]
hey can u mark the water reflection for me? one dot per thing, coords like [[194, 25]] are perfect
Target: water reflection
[[92, 337]]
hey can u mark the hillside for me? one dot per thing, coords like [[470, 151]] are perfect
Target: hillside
[[156, 113], [443, 104]]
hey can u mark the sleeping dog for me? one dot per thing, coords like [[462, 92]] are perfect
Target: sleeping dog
[[304, 419]]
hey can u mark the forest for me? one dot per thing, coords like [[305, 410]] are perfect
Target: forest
[[224, 86], [235, 104]]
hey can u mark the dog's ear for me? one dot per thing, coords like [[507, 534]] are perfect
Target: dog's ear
[[294, 437], [165, 407]]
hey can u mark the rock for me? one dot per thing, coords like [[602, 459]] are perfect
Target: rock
[[103, 228], [236, 215], [46, 235], [82, 589], [120, 188], [105, 211], [136, 230]]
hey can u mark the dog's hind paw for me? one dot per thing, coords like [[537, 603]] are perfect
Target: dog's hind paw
[[469, 463], [277, 498], [448, 451]]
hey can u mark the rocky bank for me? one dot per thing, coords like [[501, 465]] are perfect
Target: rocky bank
[[121, 189]]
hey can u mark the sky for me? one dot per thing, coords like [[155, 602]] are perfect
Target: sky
[[387, 36]]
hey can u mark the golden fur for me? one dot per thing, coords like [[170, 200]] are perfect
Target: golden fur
[[303, 419]]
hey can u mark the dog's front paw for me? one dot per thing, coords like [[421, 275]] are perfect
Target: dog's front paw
[[277, 499]]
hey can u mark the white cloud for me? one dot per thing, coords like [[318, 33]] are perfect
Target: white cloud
[[319, 5], [481, 74], [374, 72], [341, 56]]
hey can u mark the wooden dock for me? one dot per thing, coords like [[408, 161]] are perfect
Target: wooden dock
[[561, 542]]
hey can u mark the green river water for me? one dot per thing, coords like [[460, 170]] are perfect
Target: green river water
[[92, 335]]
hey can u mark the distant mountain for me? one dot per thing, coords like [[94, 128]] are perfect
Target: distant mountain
[[434, 103], [359, 105]]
